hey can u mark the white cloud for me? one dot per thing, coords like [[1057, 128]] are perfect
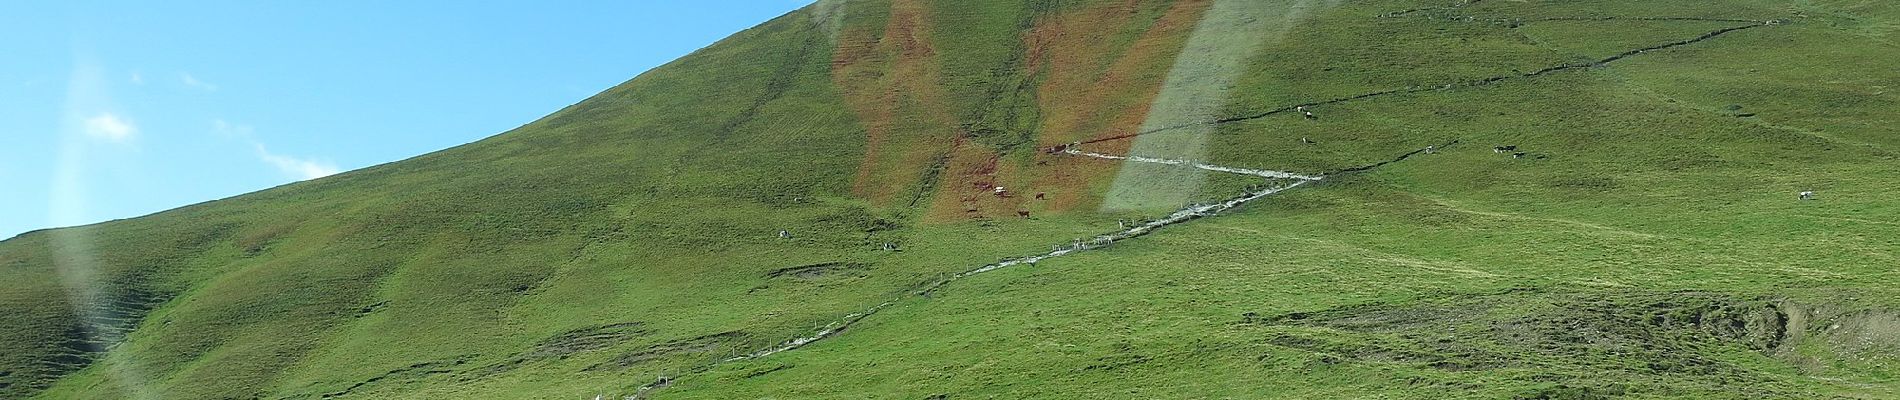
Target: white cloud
[[111, 128], [299, 168], [193, 82], [303, 169], [138, 78]]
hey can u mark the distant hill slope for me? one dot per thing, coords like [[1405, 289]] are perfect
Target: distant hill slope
[[1068, 199]]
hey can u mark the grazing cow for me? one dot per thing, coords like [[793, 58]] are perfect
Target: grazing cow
[[1309, 115], [1022, 213], [1431, 149], [783, 234], [1042, 195], [1503, 149], [1807, 195], [1000, 192], [1517, 155], [1307, 141]]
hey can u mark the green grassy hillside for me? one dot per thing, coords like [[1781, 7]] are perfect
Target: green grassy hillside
[[1648, 243]]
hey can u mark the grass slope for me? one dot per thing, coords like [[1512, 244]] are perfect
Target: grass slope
[[1649, 246]]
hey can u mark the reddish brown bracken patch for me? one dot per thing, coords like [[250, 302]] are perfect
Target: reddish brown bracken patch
[[889, 79], [968, 189], [1092, 89]]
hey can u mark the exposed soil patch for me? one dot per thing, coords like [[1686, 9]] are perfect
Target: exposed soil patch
[[1118, 361], [1594, 342], [371, 309], [766, 371], [409, 373], [566, 344], [815, 271], [1849, 334], [700, 344], [587, 339]]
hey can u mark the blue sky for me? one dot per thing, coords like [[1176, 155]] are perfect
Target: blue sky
[[115, 109]]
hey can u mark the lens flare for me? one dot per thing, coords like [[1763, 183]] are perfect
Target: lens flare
[[74, 256], [1193, 96]]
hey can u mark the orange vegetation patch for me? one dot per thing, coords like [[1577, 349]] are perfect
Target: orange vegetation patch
[[967, 187], [980, 183], [1094, 89], [889, 79]]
